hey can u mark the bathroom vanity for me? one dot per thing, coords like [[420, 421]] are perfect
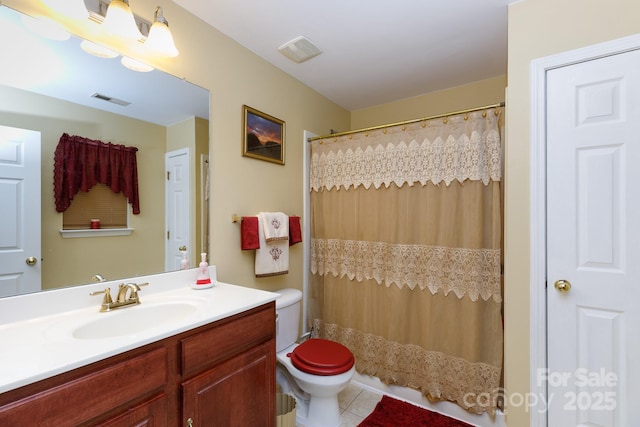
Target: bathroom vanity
[[210, 361]]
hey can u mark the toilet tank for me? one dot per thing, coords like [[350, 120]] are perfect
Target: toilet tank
[[288, 317]]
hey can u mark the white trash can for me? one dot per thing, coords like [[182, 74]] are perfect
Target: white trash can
[[285, 410]]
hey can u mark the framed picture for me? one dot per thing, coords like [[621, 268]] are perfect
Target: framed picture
[[263, 136]]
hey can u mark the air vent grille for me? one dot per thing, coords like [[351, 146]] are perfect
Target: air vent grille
[[300, 49], [110, 99]]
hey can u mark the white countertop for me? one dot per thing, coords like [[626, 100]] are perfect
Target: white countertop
[[36, 340]]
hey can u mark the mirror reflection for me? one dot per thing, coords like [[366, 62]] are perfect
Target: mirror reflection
[[46, 86]]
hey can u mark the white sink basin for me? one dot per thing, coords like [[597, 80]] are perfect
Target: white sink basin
[[132, 320]]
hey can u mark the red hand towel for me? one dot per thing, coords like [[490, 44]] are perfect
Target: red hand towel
[[249, 238], [295, 233]]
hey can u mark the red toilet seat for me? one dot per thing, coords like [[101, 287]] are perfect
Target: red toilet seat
[[318, 356]]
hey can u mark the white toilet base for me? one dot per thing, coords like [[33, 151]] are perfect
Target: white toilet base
[[316, 406], [323, 412]]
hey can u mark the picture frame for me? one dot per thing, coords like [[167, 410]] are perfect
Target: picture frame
[[263, 136]]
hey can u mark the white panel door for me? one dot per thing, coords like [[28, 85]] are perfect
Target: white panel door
[[593, 243], [19, 211], [178, 209]]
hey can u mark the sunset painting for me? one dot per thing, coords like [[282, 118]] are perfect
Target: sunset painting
[[263, 136]]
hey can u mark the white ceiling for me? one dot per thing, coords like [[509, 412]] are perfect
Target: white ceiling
[[374, 51]]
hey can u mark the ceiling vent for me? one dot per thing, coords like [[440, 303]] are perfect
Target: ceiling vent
[[299, 49], [110, 99]]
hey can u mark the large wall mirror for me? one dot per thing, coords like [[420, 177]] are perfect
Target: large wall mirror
[[49, 86]]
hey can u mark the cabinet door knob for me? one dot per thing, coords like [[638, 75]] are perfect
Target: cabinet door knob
[[189, 422]]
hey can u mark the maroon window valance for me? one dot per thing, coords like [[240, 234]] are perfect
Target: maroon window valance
[[80, 163]]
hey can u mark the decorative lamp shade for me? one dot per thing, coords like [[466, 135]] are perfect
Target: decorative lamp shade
[[119, 21], [97, 50], [160, 40], [134, 65], [71, 8]]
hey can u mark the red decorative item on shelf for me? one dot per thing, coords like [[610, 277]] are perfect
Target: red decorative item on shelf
[[95, 224]]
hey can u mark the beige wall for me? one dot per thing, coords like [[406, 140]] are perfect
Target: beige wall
[[72, 261], [477, 94], [538, 28], [240, 185]]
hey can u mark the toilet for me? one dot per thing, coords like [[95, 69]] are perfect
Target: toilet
[[314, 371]]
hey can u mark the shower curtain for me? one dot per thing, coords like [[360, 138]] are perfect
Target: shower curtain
[[406, 236]]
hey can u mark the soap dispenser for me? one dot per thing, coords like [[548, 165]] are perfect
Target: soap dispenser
[[184, 264], [204, 280]]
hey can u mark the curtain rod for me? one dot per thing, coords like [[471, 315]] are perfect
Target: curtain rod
[[406, 122]]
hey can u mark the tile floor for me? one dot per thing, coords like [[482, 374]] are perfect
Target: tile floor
[[355, 404]]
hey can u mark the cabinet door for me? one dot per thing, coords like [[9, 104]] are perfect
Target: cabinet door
[[152, 413], [238, 392]]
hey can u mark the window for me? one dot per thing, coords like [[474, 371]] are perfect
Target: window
[[98, 203]]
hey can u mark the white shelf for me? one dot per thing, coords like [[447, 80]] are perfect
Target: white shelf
[[100, 232]]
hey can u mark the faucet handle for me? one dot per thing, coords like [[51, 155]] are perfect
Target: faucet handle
[[107, 300]]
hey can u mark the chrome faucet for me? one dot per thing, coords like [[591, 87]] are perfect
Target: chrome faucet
[[127, 296]]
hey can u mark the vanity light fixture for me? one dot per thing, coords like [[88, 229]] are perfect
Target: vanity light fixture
[[119, 21], [72, 8], [160, 40]]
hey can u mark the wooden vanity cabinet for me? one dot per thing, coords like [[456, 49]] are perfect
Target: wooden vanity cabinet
[[233, 382], [220, 374], [234, 393]]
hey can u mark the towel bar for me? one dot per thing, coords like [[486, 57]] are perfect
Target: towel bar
[[238, 218]]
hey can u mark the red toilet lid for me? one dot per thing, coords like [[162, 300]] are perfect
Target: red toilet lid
[[318, 356]]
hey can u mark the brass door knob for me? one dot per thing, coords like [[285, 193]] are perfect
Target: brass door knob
[[562, 286], [182, 248], [31, 260]]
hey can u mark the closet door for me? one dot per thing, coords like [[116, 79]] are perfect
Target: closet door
[[593, 243]]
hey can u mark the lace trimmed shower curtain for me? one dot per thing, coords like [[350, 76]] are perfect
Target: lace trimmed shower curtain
[[406, 254]]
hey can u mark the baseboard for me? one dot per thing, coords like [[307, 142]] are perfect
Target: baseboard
[[415, 397]]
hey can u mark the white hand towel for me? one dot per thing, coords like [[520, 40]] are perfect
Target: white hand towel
[[272, 258], [275, 226]]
